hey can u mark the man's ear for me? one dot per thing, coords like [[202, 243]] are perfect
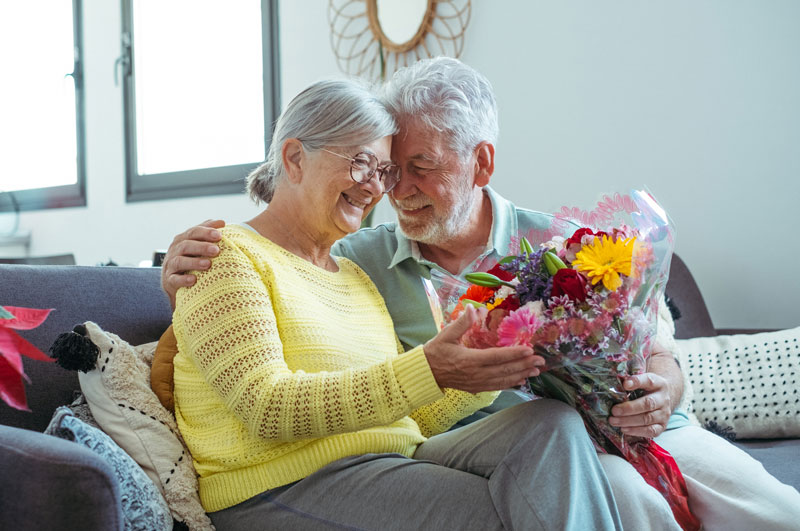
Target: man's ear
[[293, 156], [484, 163]]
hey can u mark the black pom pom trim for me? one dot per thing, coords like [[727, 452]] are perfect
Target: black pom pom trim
[[74, 352]]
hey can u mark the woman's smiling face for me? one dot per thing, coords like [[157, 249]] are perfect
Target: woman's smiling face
[[338, 202]]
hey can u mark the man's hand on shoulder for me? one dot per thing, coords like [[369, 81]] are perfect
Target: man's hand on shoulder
[[190, 250]]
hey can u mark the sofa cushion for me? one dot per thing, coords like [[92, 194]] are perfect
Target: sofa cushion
[[779, 457], [746, 383], [142, 504], [117, 389]]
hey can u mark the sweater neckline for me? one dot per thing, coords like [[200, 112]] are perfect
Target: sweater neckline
[[294, 257]]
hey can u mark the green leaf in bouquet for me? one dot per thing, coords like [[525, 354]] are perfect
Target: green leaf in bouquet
[[486, 280], [5, 314], [507, 259], [550, 386]]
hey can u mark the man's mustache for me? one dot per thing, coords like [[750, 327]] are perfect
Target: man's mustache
[[412, 203]]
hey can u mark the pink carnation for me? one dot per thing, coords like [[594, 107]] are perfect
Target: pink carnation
[[517, 328]]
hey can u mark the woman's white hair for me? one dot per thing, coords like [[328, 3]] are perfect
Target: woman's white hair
[[330, 113], [447, 96]]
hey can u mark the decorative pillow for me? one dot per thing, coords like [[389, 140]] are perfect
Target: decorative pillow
[[143, 507], [79, 408], [115, 379], [746, 384], [161, 372]]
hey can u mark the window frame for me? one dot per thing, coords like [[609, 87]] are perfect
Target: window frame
[[204, 181], [68, 195]]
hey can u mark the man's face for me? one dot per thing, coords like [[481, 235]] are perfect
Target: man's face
[[436, 194]]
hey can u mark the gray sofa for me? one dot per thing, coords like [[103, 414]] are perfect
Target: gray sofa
[[50, 483]]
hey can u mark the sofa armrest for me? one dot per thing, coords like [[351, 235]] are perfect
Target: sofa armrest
[[52, 483]]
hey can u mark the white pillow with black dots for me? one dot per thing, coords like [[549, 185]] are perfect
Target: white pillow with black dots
[[745, 385]]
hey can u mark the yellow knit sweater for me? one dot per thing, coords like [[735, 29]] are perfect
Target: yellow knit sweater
[[284, 367]]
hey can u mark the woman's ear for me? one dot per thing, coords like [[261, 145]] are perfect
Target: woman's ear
[[484, 163], [293, 156]]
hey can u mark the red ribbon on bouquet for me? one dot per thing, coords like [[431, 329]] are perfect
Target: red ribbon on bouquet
[[660, 471]]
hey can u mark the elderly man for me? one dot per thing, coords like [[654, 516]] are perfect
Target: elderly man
[[449, 219]]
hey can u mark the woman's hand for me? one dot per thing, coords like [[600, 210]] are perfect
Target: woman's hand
[[476, 370], [189, 251]]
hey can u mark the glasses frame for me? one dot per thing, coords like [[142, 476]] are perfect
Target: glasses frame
[[381, 171]]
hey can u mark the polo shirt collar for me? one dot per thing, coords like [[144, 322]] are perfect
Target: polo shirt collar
[[504, 226]]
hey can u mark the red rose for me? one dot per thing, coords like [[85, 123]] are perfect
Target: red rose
[[510, 303], [583, 231], [570, 283], [499, 273]]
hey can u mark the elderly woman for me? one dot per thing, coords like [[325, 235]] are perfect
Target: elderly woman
[[297, 403]]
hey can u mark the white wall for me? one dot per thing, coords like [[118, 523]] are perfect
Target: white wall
[[698, 101]]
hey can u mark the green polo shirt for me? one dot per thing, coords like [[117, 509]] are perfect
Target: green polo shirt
[[395, 265]]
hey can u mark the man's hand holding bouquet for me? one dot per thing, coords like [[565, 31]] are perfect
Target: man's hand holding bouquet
[[586, 300]]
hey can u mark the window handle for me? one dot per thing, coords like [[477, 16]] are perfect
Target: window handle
[[123, 61], [77, 71]]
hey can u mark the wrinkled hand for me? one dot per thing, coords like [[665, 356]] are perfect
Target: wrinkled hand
[[189, 251], [476, 370], [648, 415]]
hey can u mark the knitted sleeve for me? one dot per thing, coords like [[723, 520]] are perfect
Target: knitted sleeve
[[439, 416], [229, 329], [455, 405]]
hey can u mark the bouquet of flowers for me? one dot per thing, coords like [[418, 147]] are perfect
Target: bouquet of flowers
[[585, 296]]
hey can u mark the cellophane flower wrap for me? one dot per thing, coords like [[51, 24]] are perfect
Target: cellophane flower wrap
[[584, 293]]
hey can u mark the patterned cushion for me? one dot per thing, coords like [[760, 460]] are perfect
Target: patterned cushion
[[748, 384], [123, 404], [142, 504]]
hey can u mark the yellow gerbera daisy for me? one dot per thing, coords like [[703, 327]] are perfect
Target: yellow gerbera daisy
[[606, 259]]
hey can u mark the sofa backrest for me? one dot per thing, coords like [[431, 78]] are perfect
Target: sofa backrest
[[127, 301], [694, 321]]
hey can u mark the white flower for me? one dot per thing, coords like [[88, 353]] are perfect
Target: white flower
[[555, 244], [504, 292], [535, 307]]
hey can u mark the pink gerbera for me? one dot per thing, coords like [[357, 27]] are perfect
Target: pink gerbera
[[517, 328]]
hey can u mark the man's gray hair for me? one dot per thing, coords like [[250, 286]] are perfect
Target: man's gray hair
[[447, 96], [330, 113]]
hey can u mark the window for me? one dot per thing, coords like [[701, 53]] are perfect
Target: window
[[41, 104], [200, 94]]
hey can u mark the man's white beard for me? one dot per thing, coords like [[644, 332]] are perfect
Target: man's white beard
[[444, 226]]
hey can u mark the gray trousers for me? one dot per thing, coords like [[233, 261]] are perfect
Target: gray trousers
[[531, 466]]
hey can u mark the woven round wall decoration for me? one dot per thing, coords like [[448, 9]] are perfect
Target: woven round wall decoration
[[374, 38]]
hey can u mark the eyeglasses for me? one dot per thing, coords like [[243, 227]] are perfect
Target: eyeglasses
[[364, 166]]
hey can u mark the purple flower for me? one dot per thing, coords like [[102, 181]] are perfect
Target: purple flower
[[535, 283]]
